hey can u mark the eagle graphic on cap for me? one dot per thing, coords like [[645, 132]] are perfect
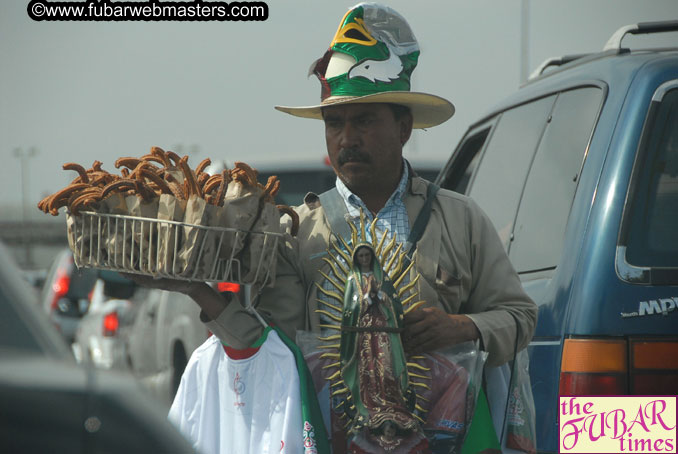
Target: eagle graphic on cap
[[378, 70]]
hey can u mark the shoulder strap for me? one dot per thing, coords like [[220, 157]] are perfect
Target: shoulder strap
[[335, 209], [422, 219]]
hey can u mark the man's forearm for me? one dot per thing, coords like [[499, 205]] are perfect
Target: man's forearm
[[210, 301]]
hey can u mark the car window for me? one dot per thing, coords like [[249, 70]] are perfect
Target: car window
[[459, 176], [539, 230], [82, 283], [499, 181], [653, 215]]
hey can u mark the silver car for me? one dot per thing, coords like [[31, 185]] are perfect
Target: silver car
[[147, 332]]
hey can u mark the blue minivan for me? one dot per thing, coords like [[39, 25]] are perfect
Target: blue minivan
[[578, 171]]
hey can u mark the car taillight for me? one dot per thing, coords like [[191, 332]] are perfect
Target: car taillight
[[228, 287], [111, 324], [600, 367], [654, 366], [60, 287], [593, 367]]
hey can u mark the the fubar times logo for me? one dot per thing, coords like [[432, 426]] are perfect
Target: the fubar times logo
[[617, 424]]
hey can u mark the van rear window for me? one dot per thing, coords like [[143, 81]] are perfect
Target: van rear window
[[652, 236], [539, 229], [498, 183]]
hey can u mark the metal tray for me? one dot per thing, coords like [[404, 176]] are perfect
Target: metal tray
[[172, 249]]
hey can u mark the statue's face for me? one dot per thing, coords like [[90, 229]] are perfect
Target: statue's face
[[364, 256]]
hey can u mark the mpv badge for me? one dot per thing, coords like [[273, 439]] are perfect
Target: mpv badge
[[661, 306]]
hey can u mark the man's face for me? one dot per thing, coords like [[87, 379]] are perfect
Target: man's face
[[364, 143]]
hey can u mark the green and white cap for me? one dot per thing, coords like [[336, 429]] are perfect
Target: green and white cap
[[370, 60]]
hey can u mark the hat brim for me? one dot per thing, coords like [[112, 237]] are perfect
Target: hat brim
[[427, 110]]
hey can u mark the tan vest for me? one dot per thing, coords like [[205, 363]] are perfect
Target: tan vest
[[463, 265]]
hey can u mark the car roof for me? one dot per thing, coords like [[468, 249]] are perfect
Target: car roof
[[614, 65], [607, 68]]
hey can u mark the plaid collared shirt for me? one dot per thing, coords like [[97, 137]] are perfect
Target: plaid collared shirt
[[392, 217]]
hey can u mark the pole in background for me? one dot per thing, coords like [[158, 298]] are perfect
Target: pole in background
[[524, 40], [24, 156]]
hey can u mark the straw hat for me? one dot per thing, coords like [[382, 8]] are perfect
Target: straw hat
[[370, 60]]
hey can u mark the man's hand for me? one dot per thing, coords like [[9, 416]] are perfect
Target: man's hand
[[430, 328]]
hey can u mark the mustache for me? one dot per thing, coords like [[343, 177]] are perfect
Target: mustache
[[352, 155]]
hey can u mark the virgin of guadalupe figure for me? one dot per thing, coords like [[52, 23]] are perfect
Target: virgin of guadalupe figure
[[373, 364]]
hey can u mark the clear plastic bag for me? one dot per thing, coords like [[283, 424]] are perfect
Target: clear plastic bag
[[520, 415], [509, 395], [446, 405]]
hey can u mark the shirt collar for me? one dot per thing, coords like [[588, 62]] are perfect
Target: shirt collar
[[353, 200]]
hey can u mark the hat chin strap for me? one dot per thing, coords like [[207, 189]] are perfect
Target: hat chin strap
[[340, 63]]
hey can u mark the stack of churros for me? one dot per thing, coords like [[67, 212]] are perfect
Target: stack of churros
[[180, 205], [159, 172]]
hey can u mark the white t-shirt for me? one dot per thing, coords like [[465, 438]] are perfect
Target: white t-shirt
[[240, 406]]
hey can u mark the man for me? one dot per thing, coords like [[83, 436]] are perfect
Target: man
[[469, 286]]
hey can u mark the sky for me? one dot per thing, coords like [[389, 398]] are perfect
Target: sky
[[85, 91]]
